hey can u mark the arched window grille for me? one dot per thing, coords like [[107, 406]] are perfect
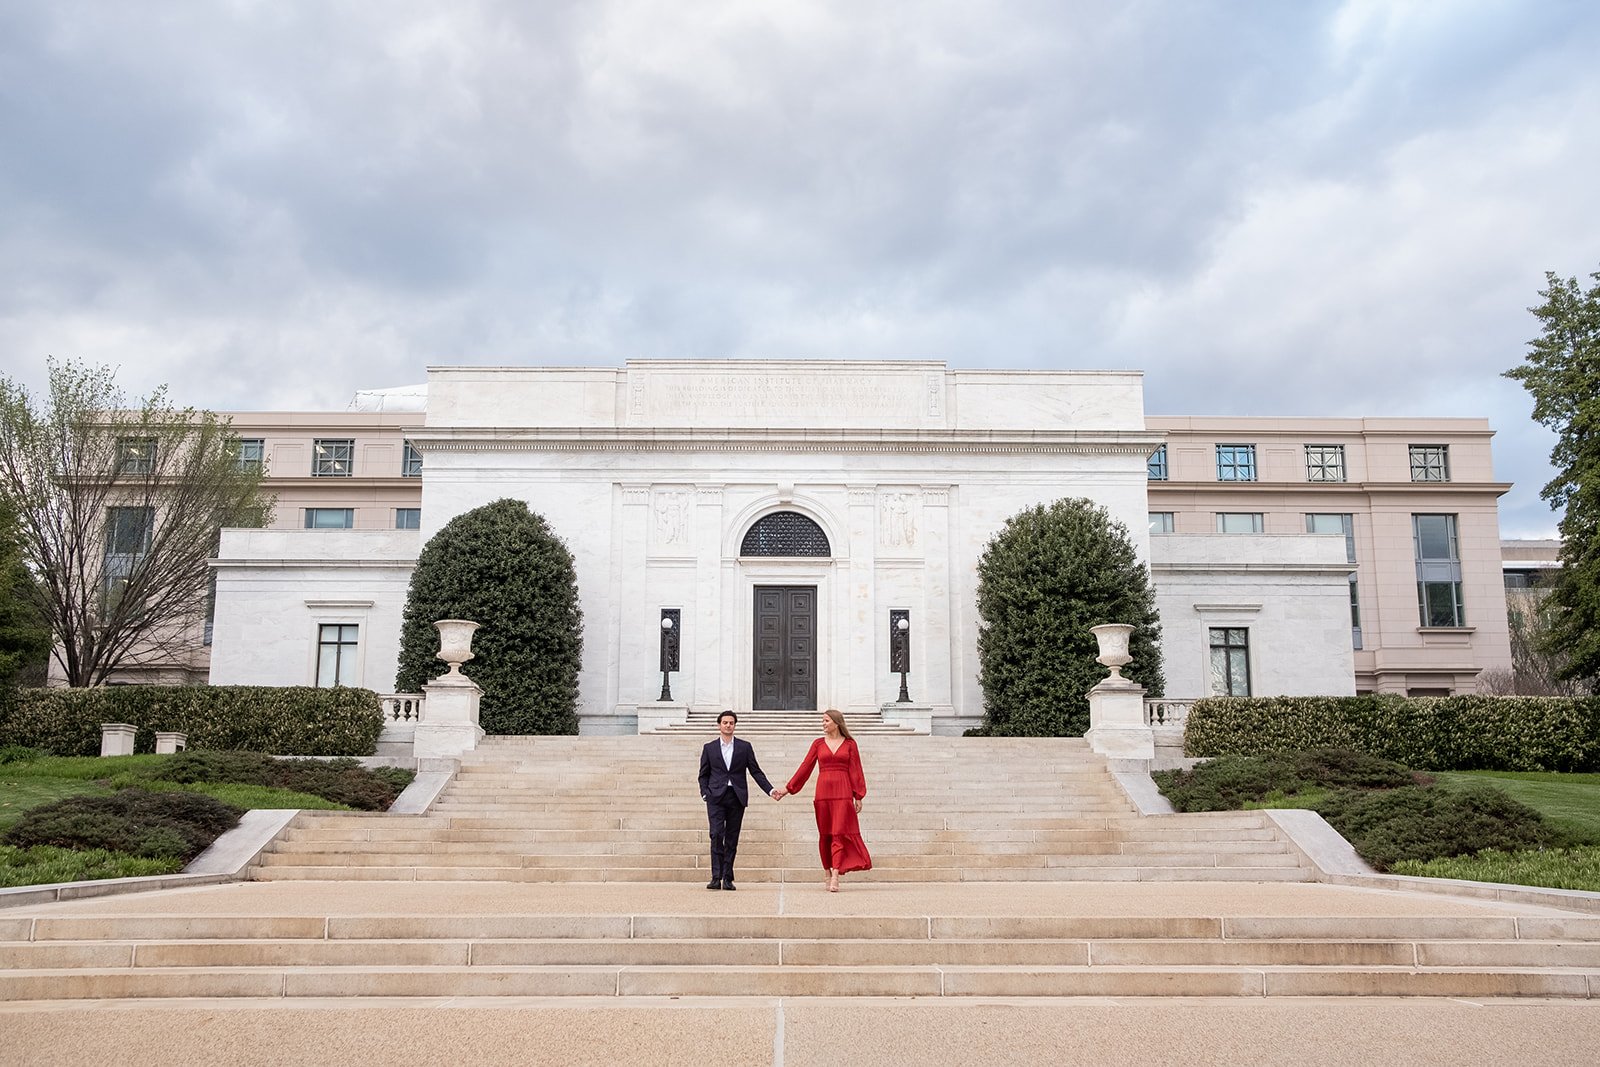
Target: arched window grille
[[785, 533]]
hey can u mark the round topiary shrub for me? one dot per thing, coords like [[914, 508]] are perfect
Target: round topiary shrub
[[1049, 575], [500, 566]]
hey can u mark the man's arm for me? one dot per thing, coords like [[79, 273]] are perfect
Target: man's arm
[[705, 772], [755, 770]]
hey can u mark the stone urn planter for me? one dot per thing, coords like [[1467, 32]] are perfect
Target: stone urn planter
[[455, 645], [1113, 638]]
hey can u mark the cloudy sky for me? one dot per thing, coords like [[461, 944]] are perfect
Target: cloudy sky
[[1272, 207]]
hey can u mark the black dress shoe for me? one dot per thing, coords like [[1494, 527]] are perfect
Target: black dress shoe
[[713, 884], [727, 883]]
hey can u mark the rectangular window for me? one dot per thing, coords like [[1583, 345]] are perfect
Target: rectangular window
[[1335, 524], [1439, 600], [248, 453], [330, 518], [136, 455], [1240, 522], [411, 465], [1236, 463], [408, 518], [1230, 661], [336, 654], [1162, 522], [332, 458], [1342, 524], [1430, 463], [128, 533], [1158, 464], [1325, 463]]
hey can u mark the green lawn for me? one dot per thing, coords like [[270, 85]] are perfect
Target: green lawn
[[30, 783], [1570, 801], [19, 793], [1559, 868]]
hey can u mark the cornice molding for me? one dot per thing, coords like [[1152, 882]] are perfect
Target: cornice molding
[[1130, 443]]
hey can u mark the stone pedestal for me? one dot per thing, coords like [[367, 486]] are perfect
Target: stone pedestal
[[170, 741], [450, 724], [654, 714], [917, 716], [116, 738], [1116, 721]]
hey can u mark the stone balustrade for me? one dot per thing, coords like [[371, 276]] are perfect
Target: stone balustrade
[[401, 709], [1163, 712]]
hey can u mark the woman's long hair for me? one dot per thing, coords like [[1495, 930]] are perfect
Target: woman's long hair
[[838, 720]]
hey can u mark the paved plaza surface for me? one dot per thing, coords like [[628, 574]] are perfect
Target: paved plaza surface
[[789, 1033], [792, 1031]]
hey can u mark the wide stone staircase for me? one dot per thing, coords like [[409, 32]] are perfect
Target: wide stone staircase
[[556, 867], [627, 809]]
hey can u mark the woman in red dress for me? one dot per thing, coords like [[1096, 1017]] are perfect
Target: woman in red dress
[[841, 786]]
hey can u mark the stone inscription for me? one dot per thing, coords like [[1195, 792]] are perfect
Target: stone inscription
[[787, 399]]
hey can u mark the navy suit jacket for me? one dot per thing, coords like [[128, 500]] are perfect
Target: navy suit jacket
[[715, 777]]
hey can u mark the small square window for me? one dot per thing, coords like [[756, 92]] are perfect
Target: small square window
[[1240, 522], [408, 518], [330, 518], [411, 465], [1430, 463], [1325, 463], [249, 453], [332, 458], [1162, 522], [1158, 465], [1236, 463], [136, 455]]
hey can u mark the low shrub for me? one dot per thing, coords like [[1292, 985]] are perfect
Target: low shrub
[[1429, 733], [1229, 783], [342, 781], [291, 720], [18, 754], [1426, 823], [175, 826]]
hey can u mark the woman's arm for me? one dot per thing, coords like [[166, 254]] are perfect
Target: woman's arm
[[798, 782], [858, 777]]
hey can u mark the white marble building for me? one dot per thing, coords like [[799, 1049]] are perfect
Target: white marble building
[[783, 509]]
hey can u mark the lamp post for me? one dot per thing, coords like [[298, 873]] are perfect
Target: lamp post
[[670, 620], [900, 649]]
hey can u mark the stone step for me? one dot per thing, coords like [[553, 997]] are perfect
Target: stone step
[[987, 872], [798, 981], [755, 860], [752, 845], [730, 952]]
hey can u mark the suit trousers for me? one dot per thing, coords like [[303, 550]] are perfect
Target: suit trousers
[[726, 816]]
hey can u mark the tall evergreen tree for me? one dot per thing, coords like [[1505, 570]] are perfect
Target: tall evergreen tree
[[1562, 373], [500, 566], [24, 634], [1049, 575]]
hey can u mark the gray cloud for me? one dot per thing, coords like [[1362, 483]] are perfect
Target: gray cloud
[[1272, 208]]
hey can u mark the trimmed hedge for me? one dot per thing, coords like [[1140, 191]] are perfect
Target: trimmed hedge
[[1461, 733], [286, 720]]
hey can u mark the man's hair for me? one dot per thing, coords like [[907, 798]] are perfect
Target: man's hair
[[728, 715]]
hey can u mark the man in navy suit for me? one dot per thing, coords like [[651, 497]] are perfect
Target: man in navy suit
[[723, 763]]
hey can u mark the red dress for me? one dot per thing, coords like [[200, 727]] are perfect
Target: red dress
[[840, 783]]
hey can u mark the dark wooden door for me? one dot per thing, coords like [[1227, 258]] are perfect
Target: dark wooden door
[[786, 648]]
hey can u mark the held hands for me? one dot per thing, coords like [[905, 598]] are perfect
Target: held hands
[[779, 794]]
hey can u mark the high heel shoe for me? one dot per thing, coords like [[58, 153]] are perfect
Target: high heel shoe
[[833, 883]]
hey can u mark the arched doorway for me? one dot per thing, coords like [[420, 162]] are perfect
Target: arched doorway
[[784, 641]]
